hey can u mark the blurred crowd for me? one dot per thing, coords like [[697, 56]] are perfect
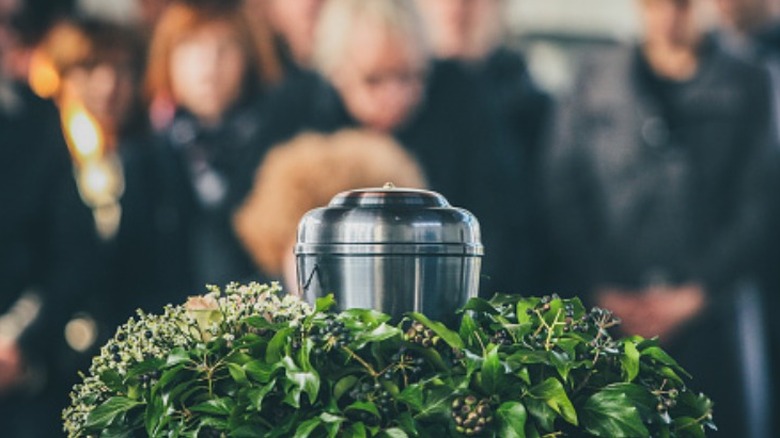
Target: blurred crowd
[[145, 158]]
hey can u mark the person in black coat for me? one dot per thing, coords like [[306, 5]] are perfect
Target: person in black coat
[[472, 34], [374, 74], [657, 184], [47, 263], [205, 64]]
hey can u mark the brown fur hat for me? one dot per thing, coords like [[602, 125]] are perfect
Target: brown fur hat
[[306, 173]]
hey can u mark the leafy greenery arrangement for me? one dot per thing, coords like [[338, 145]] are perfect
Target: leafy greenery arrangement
[[251, 363]]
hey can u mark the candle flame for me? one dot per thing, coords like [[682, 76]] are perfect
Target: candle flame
[[83, 133], [43, 78]]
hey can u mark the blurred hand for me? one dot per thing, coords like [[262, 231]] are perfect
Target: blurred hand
[[11, 367], [656, 311]]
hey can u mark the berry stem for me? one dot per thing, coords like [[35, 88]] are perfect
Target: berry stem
[[365, 364]]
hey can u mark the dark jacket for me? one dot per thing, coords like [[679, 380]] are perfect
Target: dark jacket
[[525, 111], [651, 180], [47, 246], [456, 139], [196, 169], [523, 107]]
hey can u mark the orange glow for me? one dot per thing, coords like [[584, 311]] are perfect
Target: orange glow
[[82, 132], [43, 77]]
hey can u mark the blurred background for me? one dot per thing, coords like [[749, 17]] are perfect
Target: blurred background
[[624, 151]]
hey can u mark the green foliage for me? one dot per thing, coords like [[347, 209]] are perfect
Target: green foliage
[[251, 363]]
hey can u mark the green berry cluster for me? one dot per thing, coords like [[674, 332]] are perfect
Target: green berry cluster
[[406, 364], [331, 334], [471, 416], [501, 337], [421, 335], [374, 393], [666, 400]]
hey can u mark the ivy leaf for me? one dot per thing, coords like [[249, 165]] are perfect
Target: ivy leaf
[[407, 423], [522, 310], [362, 406], [492, 372], [355, 430], [307, 427], [449, 336], [218, 406], [323, 304], [106, 413], [276, 346], [527, 357], [612, 413], [259, 322], [299, 381], [238, 373], [512, 417], [260, 371], [473, 363], [437, 401], [692, 405], [364, 317], [468, 330], [177, 356], [257, 395], [553, 393], [658, 354], [629, 361], [343, 385], [480, 305], [413, 396], [543, 414], [687, 427], [332, 423], [155, 416], [380, 333], [394, 432], [170, 376], [562, 363]]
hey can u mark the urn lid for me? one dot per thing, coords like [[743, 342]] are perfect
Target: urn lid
[[389, 220]]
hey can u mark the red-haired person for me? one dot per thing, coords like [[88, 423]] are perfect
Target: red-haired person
[[211, 66]]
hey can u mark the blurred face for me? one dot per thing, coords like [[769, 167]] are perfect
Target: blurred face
[[463, 29], [744, 15], [106, 90], [207, 71], [669, 23], [382, 77], [7, 37], [295, 21]]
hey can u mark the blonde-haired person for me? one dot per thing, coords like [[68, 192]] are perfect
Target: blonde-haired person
[[306, 173], [213, 68], [375, 71], [293, 23]]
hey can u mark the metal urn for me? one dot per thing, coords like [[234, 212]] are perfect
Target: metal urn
[[390, 249]]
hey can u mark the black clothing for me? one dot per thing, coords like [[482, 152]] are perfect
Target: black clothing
[[456, 140], [522, 106], [196, 167], [524, 111], [47, 246], [656, 181], [635, 197]]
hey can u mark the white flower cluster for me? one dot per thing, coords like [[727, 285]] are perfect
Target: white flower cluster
[[202, 318]]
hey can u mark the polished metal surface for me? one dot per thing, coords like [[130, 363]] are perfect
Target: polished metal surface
[[393, 250]]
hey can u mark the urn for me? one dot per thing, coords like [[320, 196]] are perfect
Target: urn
[[391, 249]]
